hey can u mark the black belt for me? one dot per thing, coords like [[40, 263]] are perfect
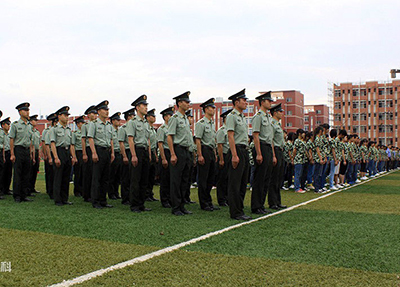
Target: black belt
[[207, 147], [241, 145], [140, 147], [265, 143], [22, 147], [181, 146], [63, 147], [103, 148], [116, 152], [278, 147]]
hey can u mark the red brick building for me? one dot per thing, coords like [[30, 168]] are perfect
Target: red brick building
[[315, 115], [368, 109]]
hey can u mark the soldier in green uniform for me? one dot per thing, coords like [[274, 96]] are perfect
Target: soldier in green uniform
[[116, 165], [1, 157], [223, 148], [102, 148], [87, 167], [263, 153], [34, 163], [76, 151], [206, 157], [48, 159], [138, 133], [126, 156], [151, 119], [165, 157], [193, 159], [238, 157], [22, 153], [60, 138], [179, 141], [274, 192], [5, 176]]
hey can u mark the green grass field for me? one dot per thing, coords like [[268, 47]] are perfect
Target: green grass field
[[351, 238]]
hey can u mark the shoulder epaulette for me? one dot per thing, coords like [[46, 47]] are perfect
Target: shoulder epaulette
[[15, 122], [175, 115], [202, 120]]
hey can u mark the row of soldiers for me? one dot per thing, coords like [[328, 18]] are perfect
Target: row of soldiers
[[105, 155]]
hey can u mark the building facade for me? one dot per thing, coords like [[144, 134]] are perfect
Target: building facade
[[368, 109], [315, 115]]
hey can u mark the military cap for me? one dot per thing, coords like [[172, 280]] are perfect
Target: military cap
[[265, 96], [183, 97], [239, 95], [141, 100], [79, 120], [276, 108], [224, 114], [115, 116], [189, 113], [51, 117], [208, 103], [63, 111], [168, 111], [102, 106], [23, 107], [33, 118], [151, 113], [91, 109], [1, 114], [130, 112], [5, 121]]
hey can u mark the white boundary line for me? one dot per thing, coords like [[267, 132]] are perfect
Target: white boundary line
[[160, 252]]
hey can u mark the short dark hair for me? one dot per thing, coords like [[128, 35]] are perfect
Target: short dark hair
[[333, 133], [326, 126], [343, 133], [291, 136]]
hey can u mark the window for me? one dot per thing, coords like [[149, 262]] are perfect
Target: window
[[289, 100], [355, 129], [356, 93], [306, 118], [318, 122], [224, 109], [355, 105], [363, 104], [356, 117], [306, 128], [338, 117], [363, 117], [363, 129], [250, 109], [338, 105], [318, 112], [288, 124], [337, 93], [289, 113]]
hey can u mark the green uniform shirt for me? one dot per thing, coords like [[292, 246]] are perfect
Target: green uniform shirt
[[179, 128], [115, 138], [278, 137], [44, 132], [21, 132], [162, 135], [100, 132], [205, 131], [235, 122], [122, 136], [319, 142], [153, 137], [325, 145], [250, 151], [6, 140], [300, 146], [2, 135], [193, 146], [364, 151], [61, 136], [77, 139], [139, 130], [261, 123], [84, 131], [338, 148], [46, 137], [222, 138], [35, 138]]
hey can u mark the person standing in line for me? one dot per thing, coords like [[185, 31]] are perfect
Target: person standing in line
[[49, 170], [179, 142], [22, 152], [206, 157], [151, 119], [34, 163], [87, 167], [6, 175], [60, 138], [299, 158], [274, 194], [102, 148], [116, 165], [138, 133], [223, 147], [165, 158], [76, 151], [193, 161], [126, 156], [263, 153], [238, 156]]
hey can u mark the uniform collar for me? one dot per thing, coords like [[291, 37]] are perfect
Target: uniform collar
[[208, 121], [101, 122], [236, 112], [61, 126], [20, 121], [180, 115], [140, 119]]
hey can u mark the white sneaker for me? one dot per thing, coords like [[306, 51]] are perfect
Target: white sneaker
[[285, 188], [334, 188], [346, 184], [358, 181], [292, 186], [324, 189]]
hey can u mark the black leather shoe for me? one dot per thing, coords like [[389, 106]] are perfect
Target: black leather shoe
[[186, 212], [108, 206], [208, 208], [149, 199], [118, 197], [35, 191], [98, 206], [282, 206], [223, 204], [216, 207], [146, 209], [243, 217], [113, 197], [178, 213], [274, 207], [59, 203], [259, 211], [136, 210], [27, 199], [8, 192], [78, 195], [31, 195], [154, 199], [126, 203], [166, 205], [192, 202], [68, 203], [17, 200], [86, 200]]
